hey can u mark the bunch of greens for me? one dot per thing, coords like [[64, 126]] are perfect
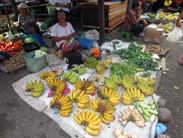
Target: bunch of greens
[[135, 56], [125, 68]]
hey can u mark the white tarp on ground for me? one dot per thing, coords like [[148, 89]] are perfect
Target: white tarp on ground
[[68, 124]]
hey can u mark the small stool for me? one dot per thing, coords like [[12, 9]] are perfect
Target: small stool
[[126, 35]]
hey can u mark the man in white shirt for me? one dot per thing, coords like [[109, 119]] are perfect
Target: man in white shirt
[[61, 4], [62, 31]]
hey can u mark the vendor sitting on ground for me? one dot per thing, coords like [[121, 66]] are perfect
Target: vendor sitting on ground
[[26, 21], [63, 34], [133, 23]]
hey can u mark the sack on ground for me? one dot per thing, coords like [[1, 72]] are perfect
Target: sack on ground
[[175, 35]]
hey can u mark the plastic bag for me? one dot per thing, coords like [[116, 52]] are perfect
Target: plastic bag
[[92, 35], [175, 35]]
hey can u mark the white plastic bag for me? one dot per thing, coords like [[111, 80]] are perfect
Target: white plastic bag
[[175, 35]]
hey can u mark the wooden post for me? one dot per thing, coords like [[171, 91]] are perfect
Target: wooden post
[[101, 21]]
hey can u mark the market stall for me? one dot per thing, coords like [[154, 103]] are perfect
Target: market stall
[[99, 98], [115, 13]]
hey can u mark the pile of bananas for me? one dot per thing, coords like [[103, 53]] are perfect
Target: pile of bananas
[[56, 85], [36, 87], [112, 82], [46, 75], [100, 68], [167, 27], [110, 95], [132, 95], [90, 120], [104, 108], [146, 85], [168, 3], [64, 103], [71, 77], [91, 62], [79, 69], [87, 86], [80, 98]]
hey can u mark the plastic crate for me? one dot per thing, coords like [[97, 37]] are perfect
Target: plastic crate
[[35, 65]]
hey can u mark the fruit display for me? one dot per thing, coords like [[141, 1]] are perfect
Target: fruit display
[[145, 85], [91, 62], [136, 56], [47, 75], [86, 85], [56, 85], [71, 77], [112, 82], [90, 120], [149, 112], [132, 95], [104, 108], [121, 69], [35, 87], [110, 95], [80, 98], [118, 133], [64, 104], [79, 69], [107, 62], [168, 16], [152, 15], [10, 47], [131, 115], [98, 79]]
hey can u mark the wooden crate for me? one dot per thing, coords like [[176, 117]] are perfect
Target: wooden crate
[[115, 13]]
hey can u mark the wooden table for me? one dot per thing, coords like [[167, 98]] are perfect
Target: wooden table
[[115, 13]]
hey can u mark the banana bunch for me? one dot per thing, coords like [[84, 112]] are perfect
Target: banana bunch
[[71, 77], [90, 120], [105, 109], [168, 3], [110, 95], [80, 98], [79, 69], [132, 95], [112, 82], [161, 15], [56, 85], [47, 74], [91, 62], [145, 85], [36, 87], [85, 85], [167, 27], [107, 62], [64, 103], [100, 68]]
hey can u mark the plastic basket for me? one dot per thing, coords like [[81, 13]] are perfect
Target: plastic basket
[[35, 65]]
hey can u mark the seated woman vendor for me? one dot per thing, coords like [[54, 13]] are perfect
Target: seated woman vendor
[[63, 34], [26, 21], [133, 23]]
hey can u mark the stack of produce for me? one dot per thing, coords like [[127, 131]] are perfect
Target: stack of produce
[[35, 87], [80, 98], [168, 16], [47, 75], [112, 82], [135, 55], [145, 85], [11, 47], [131, 115], [100, 68], [71, 77], [79, 69], [90, 120], [121, 69], [91, 62], [149, 112], [110, 95], [104, 108], [64, 104], [87, 86], [132, 95]]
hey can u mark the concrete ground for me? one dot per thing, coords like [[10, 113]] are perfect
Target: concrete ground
[[19, 120]]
